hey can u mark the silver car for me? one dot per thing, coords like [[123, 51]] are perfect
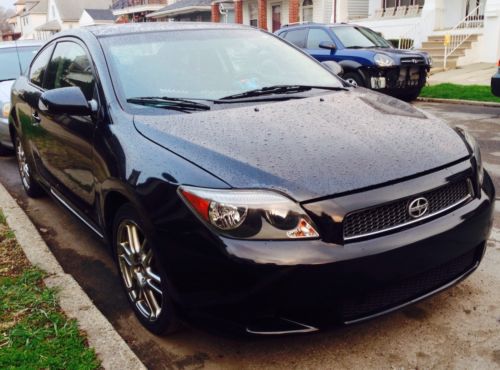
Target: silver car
[[15, 57]]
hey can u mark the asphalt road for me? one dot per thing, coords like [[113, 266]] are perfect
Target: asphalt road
[[459, 328]]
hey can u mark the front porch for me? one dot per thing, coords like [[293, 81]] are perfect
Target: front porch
[[455, 32]]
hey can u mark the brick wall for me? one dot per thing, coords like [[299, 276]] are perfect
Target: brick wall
[[215, 13], [293, 11], [262, 21], [238, 11]]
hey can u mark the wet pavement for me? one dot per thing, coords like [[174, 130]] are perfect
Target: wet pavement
[[459, 328]]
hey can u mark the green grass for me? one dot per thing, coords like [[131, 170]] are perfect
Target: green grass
[[34, 333], [462, 92]]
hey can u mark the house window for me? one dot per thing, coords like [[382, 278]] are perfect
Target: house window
[[307, 11], [396, 3]]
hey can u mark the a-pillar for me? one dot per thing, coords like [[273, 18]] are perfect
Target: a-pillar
[[262, 21], [238, 11], [215, 13]]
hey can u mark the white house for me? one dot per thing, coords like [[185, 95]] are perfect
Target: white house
[[33, 14], [91, 17], [66, 14]]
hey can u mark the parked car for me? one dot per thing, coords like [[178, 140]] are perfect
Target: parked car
[[241, 184], [495, 82], [367, 58], [15, 57]]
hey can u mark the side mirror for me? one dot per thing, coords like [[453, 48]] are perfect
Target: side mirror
[[327, 45], [333, 67], [66, 100]]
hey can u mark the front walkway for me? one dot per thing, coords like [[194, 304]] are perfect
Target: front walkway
[[473, 74]]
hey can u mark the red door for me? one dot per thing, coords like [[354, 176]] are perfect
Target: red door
[[276, 17]]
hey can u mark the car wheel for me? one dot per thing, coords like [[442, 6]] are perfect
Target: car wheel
[[354, 79], [410, 95], [142, 276], [30, 185]]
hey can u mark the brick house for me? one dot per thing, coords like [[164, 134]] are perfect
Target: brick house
[[273, 14]]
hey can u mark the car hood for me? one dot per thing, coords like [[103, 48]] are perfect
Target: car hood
[[396, 54], [310, 148], [5, 87]]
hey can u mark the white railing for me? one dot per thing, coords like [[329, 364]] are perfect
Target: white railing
[[459, 34]]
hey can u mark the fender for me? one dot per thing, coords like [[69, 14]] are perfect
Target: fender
[[353, 66]]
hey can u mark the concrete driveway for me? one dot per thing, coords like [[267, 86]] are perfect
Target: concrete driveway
[[457, 329]]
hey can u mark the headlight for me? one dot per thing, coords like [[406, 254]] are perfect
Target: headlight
[[249, 214], [383, 60], [5, 110], [476, 155]]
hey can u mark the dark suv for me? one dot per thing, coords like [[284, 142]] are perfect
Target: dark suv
[[367, 58]]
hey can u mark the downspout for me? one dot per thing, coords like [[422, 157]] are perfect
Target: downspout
[[333, 18]]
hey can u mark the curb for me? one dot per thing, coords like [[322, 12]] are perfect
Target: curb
[[461, 102], [109, 346]]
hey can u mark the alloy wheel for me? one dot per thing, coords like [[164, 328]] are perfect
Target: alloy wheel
[[352, 81], [136, 262], [24, 169]]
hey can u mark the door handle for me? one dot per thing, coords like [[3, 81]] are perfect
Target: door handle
[[36, 119]]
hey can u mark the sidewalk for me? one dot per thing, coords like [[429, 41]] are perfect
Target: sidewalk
[[473, 74]]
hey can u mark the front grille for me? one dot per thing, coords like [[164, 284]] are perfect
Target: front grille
[[412, 61], [393, 215], [383, 299]]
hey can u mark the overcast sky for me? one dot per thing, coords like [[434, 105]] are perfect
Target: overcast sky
[[7, 3]]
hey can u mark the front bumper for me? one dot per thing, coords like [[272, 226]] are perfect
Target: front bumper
[[5, 139], [396, 79], [316, 284]]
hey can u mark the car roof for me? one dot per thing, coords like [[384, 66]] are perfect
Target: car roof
[[130, 28], [20, 44], [309, 24]]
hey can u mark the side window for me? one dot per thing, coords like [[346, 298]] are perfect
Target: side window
[[315, 36], [297, 37], [70, 66], [37, 71]]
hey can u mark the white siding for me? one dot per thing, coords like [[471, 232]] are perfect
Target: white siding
[[357, 9]]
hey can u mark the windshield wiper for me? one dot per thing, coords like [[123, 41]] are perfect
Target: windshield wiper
[[278, 89], [7, 79], [165, 102]]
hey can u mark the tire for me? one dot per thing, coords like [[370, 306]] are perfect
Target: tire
[[410, 95], [30, 185], [143, 279], [354, 79]]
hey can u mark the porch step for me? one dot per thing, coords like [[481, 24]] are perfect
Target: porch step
[[440, 38], [451, 63], [434, 53], [434, 46], [440, 44]]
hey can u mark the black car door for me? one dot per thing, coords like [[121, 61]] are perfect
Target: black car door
[[65, 143]]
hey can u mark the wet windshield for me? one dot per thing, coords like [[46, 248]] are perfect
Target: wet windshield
[[207, 64], [359, 37], [9, 61]]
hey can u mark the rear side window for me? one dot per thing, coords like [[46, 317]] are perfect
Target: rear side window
[[297, 37], [315, 37], [70, 66], [39, 66]]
